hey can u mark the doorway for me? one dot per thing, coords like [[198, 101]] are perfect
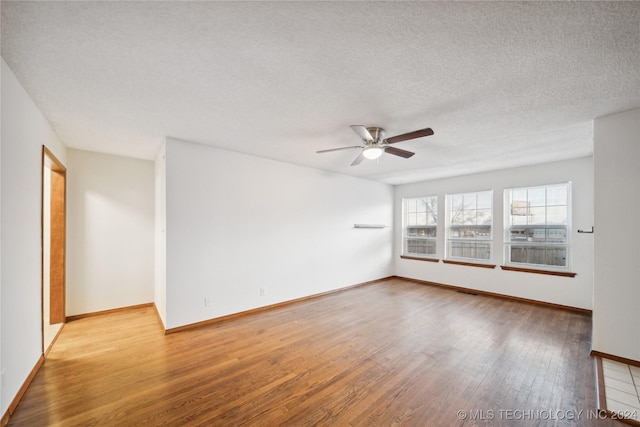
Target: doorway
[[54, 213]]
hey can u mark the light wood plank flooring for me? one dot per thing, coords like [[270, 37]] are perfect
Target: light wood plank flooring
[[389, 353]]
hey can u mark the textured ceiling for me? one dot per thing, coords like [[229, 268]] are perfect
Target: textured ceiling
[[501, 84]]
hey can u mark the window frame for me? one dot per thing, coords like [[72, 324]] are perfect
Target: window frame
[[449, 239], [508, 243], [406, 226]]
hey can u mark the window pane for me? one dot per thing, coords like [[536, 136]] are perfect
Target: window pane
[[456, 201], [421, 219], [420, 246], [537, 196], [518, 220], [520, 208], [457, 216], [556, 256], [557, 195], [421, 232], [413, 205], [470, 250], [537, 215], [411, 219], [518, 234], [432, 218], [469, 217], [483, 216], [539, 255], [469, 201], [557, 235], [519, 195], [471, 232], [421, 205], [432, 210], [557, 215], [538, 235], [483, 250], [484, 200]]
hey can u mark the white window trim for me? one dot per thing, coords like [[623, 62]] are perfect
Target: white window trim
[[507, 243], [447, 231], [405, 237]]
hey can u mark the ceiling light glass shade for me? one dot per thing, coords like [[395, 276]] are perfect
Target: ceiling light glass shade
[[372, 153]]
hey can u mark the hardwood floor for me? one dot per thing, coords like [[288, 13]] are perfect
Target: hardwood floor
[[389, 353]]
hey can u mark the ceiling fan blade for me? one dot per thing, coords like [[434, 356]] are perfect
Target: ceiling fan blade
[[337, 149], [398, 152], [362, 132], [358, 159], [411, 135]]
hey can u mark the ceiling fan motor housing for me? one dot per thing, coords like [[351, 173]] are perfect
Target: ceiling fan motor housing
[[377, 134]]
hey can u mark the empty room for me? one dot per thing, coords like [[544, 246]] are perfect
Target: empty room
[[319, 213]]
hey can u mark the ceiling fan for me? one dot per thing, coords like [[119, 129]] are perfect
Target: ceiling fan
[[375, 143]]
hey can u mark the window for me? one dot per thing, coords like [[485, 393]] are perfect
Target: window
[[420, 226], [469, 218], [536, 226]]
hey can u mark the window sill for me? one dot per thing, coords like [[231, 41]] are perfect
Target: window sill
[[416, 258], [535, 271], [468, 264]]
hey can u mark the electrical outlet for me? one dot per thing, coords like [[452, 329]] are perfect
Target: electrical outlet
[[263, 292], [208, 301]]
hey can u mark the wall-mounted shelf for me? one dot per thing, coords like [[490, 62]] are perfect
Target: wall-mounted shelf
[[369, 226]]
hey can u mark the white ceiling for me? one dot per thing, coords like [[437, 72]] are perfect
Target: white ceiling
[[502, 84]]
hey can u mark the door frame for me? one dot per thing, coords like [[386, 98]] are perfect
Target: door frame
[[57, 246]]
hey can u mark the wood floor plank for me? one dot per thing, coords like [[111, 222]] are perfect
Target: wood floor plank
[[389, 353]]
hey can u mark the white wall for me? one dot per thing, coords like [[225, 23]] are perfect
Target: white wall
[[160, 285], [236, 223], [110, 241], [616, 315], [24, 132], [1, 136], [574, 292]]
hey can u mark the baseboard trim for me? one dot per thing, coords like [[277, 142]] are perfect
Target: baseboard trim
[[53, 341], [14, 403], [103, 312], [596, 353], [497, 295], [160, 321], [253, 311]]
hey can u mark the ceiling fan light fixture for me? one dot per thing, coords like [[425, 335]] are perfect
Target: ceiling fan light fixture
[[374, 144], [372, 153]]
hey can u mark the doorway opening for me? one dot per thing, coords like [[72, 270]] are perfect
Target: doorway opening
[[54, 213]]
